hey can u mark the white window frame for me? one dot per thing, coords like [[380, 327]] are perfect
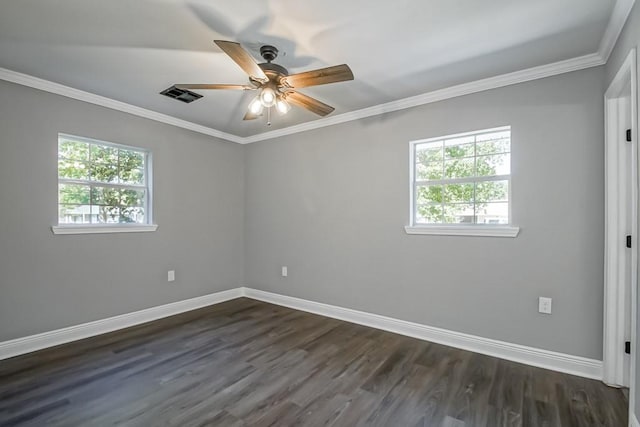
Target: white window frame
[[110, 228], [487, 230]]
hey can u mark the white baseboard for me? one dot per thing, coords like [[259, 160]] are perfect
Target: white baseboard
[[552, 360], [560, 362], [73, 333], [633, 421]]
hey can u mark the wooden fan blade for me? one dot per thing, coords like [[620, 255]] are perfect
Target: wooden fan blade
[[214, 86], [243, 59], [250, 116], [322, 76], [311, 104]]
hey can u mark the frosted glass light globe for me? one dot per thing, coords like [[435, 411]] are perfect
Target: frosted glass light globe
[[255, 107], [282, 106], [268, 97]]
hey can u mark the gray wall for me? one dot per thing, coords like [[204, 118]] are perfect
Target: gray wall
[[47, 281], [331, 205], [629, 39]]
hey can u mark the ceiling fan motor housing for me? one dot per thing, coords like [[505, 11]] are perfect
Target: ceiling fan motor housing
[[271, 69]]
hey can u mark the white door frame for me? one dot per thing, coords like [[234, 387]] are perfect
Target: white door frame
[[616, 187]]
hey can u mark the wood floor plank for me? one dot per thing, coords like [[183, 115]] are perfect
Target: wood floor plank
[[246, 363]]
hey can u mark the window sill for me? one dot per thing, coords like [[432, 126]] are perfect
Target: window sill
[[102, 229], [464, 230]]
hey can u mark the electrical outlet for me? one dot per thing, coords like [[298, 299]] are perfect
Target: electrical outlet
[[544, 305], [284, 271], [171, 276]]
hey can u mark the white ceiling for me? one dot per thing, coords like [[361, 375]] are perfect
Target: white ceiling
[[129, 50]]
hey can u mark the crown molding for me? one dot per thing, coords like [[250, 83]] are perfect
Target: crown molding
[[619, 16], [92, 98], [542, 71], [539, 72], [616, 23]]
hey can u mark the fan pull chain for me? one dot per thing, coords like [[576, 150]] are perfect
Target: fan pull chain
[[269, 116]]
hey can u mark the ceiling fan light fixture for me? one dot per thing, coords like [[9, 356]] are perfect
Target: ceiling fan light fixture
[[274, 85], [255, 107], [282, 105], [268, 97]]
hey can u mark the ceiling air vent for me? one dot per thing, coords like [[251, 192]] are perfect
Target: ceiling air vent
[[181, 94]]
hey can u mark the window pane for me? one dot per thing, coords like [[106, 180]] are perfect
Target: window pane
[[132, 176], [132, 215], [73, 150], [463, 170], [431, 152], [493, 146], [458, 213], [457, 151], [85, 200], [460, 140], [131, 167], [104, 172], [428, 194], [457, 193], [429, 171], [105, 196], [492, 213], [429, 214], [74, 214], [499, 164], [131, 159], [132, 197], [73, 194], [72, 169], [492, 191], [458, 168], [104, 154], [108, 214]]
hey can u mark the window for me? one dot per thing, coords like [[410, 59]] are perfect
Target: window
[[101, 184], [461, 180]]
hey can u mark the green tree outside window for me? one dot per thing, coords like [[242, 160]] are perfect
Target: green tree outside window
[[100, 183], [461, 180]]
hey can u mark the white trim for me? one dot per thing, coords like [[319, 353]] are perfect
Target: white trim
[[633, 421], [616, 23], [566, 66], [102, 229], [463, 230], [618, 18], [73, 333], [636, 254], [561, 67], [575, 365], [147, 186], [560, 362], [462, 134], [479, 229], [80, 95], [616, 364], [77, 138]]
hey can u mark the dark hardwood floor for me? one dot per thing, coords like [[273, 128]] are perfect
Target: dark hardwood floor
[[247, 363]]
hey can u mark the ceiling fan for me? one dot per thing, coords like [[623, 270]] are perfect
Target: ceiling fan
[[277, 88]]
